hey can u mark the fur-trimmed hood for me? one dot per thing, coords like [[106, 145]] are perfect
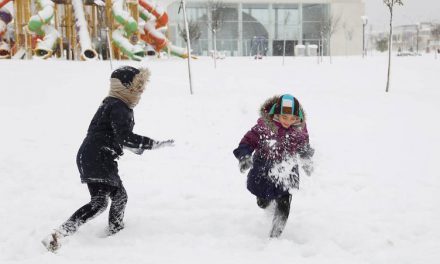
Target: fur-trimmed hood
[[130, 94], [268, 118], [264, 112]]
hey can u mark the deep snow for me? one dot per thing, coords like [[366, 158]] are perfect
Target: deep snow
[[374, 196]]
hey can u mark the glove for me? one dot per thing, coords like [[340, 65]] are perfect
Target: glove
[[306, 152], [137, 151], [245, 163], [161, 144], [307, 166]]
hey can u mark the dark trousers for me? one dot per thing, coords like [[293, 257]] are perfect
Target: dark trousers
[[99, 194], [282, 210]]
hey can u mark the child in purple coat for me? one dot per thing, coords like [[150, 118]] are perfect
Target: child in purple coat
[[271, 150]]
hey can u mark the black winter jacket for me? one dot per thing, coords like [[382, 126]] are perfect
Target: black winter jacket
[[111, 129]]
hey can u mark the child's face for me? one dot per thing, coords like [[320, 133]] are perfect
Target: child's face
[[287, 120]]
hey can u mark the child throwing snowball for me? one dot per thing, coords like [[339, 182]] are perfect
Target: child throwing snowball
[[110, 131], [271, 150]]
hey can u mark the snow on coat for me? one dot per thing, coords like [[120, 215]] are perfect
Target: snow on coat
[[110, 130], [275, 150]]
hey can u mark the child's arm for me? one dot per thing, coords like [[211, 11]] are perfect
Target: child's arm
[[305, 152], [244, 150], [247, 144], [121, 126]]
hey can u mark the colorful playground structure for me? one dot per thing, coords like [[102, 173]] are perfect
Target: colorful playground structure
[[84, 29]]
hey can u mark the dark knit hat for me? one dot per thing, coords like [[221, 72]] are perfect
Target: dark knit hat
[[125, 74], [287, 105]]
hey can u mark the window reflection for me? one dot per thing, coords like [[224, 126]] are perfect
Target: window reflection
[[269, 23]]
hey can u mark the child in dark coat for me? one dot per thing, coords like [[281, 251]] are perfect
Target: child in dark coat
[[110, 131], [270, 150]]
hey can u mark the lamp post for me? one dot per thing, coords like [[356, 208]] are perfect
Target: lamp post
[[364, 25], [188, 44]]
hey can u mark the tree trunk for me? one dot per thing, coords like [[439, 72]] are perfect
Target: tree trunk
[[390, 48], [188, 46], [284, 46], [215, 48], [330, 48]]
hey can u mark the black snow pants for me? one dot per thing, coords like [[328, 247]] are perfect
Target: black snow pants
[[100, 193], [282, 210]]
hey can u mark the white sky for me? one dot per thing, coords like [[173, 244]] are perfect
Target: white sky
[[413, 11]]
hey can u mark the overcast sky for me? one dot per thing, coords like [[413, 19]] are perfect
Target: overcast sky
[[412, 11]]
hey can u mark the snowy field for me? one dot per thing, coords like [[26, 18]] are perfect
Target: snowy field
[[374, 197]]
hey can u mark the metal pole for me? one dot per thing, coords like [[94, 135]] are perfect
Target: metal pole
[[364, 25], [286, 19], [284, 45], [215, 48], [188, 44], [363, 40], [109, 44], [319, 50], [26, 43], [417, 40]]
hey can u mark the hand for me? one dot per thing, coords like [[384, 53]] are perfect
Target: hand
[[245, 163], [307, 166], [161, 144], [137, 151]]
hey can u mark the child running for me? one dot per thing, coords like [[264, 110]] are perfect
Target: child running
[[270, 150], [110, 131]]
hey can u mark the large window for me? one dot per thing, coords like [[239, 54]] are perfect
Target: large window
[[286, 18], [260, 23], [259, 13], [314, 12], [314, 17], [255, 20]]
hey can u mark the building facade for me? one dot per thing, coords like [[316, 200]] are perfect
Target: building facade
[[246, 27], [415, 37]]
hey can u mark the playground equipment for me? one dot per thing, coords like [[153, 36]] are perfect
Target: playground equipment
[[87, 52], [5, 18], [259, 46], [156, 21], [40, 24], [86, 29]]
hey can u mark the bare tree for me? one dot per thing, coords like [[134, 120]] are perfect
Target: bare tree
[[435, 32], [286, 20], [328, 27], [382, 44], [216, 17], [194, 31], [349, 32], [390, 4]]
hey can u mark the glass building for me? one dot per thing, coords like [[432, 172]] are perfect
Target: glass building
[[247, 27]]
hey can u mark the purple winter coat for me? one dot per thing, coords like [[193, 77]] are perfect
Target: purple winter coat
[[275, 150]]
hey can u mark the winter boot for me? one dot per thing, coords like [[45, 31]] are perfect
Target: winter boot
[[53, 241], [263, 203], [282, 211], [278, 224], [113, 229]]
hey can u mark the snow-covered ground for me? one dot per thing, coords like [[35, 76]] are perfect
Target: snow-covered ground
[[374, 197]]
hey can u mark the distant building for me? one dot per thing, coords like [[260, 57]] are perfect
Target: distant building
[[412, 37], [415, 37], [263, 25]]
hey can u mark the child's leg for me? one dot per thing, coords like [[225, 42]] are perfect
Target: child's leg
[[281, 214], [116, 215], [98, 203]]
